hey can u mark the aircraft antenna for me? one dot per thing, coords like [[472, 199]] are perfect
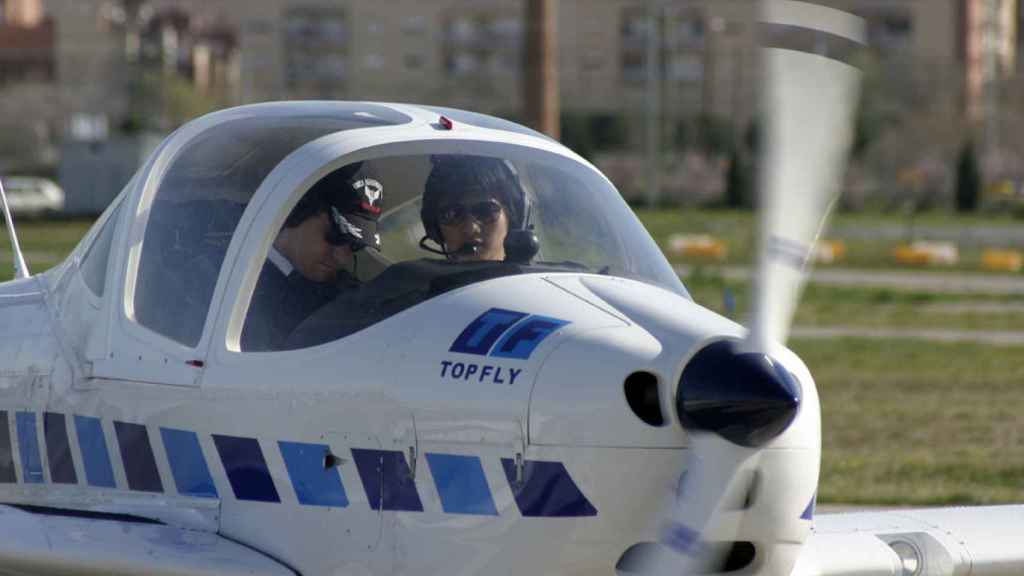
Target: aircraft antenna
[[20, 268]]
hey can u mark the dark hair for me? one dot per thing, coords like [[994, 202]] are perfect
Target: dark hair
[[452, 175], [322, 195]]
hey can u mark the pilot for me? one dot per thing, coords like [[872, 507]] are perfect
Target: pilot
[[315, 255], [469, 205]]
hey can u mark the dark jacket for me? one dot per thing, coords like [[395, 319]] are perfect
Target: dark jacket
[[281, 302]]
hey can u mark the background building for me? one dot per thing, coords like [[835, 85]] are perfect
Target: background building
[[28, 127], [130, 66]]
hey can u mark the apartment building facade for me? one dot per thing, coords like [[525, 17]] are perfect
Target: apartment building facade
[[26, 43], [467, 52]]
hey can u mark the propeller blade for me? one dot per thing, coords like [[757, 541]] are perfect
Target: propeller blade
[[810, 97], [707, 511], [733, 399]]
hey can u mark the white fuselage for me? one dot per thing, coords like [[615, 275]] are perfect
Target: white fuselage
[[444, 462]]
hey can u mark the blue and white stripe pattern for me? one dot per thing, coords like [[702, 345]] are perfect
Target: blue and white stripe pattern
[[540, 488]]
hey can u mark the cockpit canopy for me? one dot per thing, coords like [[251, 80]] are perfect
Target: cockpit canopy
[[440, 208], [199, 200]]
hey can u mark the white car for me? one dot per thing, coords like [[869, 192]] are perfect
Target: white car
[[32, 196]]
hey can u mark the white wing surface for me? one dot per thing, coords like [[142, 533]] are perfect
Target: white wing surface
[[43, 544], [981, 541]]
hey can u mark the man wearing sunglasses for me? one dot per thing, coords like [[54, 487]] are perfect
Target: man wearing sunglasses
[[315, 255], [469, 205]]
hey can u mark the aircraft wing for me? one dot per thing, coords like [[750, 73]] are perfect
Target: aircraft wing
[[45, 544], [947, 541]]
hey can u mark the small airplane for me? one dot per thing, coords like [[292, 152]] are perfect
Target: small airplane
[[511, 379]]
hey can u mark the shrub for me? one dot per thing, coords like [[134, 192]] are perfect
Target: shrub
[[737, 182], [591, 133], [968, 180]]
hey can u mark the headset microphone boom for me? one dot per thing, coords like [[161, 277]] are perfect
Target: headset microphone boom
[[754, 424]]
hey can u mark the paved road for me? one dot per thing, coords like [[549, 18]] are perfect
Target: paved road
[[921, 281]]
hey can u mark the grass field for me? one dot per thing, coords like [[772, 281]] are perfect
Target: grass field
[[909, 422], [919, 422], [45, 243], [904, 422]]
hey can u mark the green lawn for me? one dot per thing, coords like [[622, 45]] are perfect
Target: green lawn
[[58, 236], [919, 422]]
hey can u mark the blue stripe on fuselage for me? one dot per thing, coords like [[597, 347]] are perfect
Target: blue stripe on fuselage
[[387, 480], [188, 466], [808, 513], [95, 456], [7, 473], [546, 490], [246, 468], [315, 483], [28, 445], [461, 484], [58, 449], [137, 456]]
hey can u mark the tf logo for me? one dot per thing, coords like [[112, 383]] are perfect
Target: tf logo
[[505, 334]]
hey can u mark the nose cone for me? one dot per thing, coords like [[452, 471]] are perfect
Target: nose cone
[[745, 397]]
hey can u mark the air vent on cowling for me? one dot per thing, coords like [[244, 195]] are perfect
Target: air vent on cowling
[[642, 395]]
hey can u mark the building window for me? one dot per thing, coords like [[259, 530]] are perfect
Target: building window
[[415, 24], [413, 61], [316, 51], [684, 29], [482, 43], [373, 62], [593, 61], [633, 34], [686, 67], [681, 36], [889, 29]]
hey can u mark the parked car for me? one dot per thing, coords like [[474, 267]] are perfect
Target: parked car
[[31, 196]]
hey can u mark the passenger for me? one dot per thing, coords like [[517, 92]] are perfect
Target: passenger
[[314, 257], [469, 205]]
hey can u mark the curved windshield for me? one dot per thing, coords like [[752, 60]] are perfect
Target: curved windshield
[[378, 236]]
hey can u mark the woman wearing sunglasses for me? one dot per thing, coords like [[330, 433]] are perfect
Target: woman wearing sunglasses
[[469, 205]]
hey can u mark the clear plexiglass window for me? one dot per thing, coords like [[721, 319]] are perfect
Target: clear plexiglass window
[[443, 221], [94, 264], [199, 201]]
